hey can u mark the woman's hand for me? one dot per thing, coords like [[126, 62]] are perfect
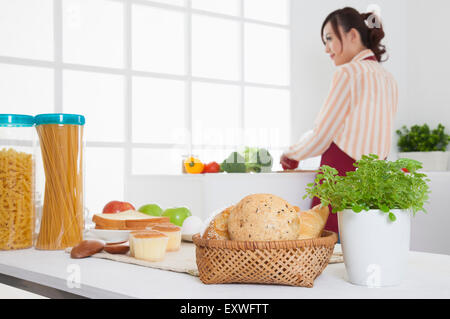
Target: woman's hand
[[287, 163]]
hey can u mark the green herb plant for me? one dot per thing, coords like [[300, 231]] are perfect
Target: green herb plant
[[376, 184], [422, 139]]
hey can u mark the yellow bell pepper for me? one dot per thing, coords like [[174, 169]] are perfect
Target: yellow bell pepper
[[193, 165]]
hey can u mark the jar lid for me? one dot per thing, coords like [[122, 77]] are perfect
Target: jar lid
[[16, 120], [59, 118]]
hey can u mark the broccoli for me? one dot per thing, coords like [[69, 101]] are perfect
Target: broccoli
[[251, 160], [258, 160], [234, 163]]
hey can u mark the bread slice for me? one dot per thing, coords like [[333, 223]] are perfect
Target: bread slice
[[312, 222], [141, 227], [128, 220]]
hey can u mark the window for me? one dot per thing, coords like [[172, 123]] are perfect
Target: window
[[156, 79]]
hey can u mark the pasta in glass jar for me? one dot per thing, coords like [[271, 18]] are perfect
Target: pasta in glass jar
[[17, 181]]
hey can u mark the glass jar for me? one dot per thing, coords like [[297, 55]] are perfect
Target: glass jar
[[61, 141], [17, 181]]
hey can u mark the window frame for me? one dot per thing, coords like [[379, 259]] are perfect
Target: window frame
[[59, 66]]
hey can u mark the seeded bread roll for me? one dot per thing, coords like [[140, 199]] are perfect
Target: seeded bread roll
[[263, 217]]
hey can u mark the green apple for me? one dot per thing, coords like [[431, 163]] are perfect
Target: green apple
[[151, 209], [177, 215]]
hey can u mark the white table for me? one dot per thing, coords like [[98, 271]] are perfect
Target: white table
[[428, 277]]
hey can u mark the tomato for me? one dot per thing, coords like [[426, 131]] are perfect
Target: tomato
[[212, 167]]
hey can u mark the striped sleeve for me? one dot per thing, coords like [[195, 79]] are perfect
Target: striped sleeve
[[328, 123], [395, 107]]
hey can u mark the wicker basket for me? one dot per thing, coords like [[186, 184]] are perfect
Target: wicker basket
[[293, 263]]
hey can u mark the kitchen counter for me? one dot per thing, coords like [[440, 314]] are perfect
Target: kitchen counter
[[428, 276]]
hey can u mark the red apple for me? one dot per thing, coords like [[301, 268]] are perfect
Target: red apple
[[117, 207]]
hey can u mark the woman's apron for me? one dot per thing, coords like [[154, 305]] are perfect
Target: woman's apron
[[338, 159], [343, 163]]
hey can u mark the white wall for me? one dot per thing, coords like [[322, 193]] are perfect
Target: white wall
[[429, 232], [428, 63]]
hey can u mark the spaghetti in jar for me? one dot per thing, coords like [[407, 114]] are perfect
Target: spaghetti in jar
[[17, 181], [61, 141]]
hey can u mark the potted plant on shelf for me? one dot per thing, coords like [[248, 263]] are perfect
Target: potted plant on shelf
[[425, 145], [374, 205]]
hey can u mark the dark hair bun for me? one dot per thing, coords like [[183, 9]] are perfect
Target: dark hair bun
[[367, 24]]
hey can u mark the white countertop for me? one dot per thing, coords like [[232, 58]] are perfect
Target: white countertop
[[428, 277]]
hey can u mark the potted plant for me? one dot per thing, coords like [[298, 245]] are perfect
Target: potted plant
[[425, 145], [374, 205]]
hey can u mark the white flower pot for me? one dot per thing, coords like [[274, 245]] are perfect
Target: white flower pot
[[431, 161], [375, 249]]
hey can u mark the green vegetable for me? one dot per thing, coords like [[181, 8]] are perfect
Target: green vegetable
[[257, 160], [376, 184], [422, 139], [235, 163]]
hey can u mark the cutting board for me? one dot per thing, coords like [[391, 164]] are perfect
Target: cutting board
[[297, 171], [180, 261]]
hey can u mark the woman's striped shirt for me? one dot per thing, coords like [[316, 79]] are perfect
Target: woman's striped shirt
[[358, 114]]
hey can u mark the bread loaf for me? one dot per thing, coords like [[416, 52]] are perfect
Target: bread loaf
[[128, 220], [312, 222], [263, 217]]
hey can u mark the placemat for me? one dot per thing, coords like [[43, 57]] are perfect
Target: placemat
[[179, 261], [182, 261]]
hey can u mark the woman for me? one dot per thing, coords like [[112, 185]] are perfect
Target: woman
[[359, 111]]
